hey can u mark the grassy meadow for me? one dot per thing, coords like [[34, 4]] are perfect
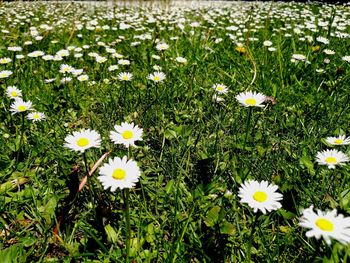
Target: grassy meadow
[[233, 118]]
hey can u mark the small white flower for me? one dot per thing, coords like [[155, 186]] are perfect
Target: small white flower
[[220, 88], [83, 78], [251, 99], [13, 93], [123, 62], [125, 76], [323, 40], [346, 58], [112, 67], [181, 60], [64, 68], [5, 60], [340, 140], [119, 173], [82, 140], [331, 158], [162, 46], [20, 106], [157, 76], [126, 133], [260, 196], [36, 116], [326, 224], [5, 74], [267, 43]]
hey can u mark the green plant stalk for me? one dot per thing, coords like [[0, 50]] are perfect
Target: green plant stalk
[[249, 248], [126, 193], [247, 127], [20, 140], [86, 164]]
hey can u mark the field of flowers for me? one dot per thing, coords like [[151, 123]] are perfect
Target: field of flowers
[[202, 132]]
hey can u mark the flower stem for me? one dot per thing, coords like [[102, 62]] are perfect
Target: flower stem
[[127, 221], [247, 126], [86, 164], [249, 247], [20, 140]]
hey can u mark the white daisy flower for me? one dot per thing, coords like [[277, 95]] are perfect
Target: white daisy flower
[[82, 140], [36, 54], [125, 76], [126, 133], [5, 60], [346, 58], [340, 140], [13, 93], [299, 57], [251, 99], [83, 78], [123, 62], [36, 116], [323, 40], [5, 74], [267, 43], [260, 196], [119, 173], [220, 88], [64, 68], [331, 158], [66, 80], [20, 106], [157, 76], [112, 67], [326, 224], [181, 60], [14, 49], [329, 52], [162, 46]]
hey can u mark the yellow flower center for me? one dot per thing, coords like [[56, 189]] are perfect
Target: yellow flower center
[[331, 160], [14, 94], [22, 108], [125, 77], [127, 135], [220, 88], [36, 116], [250, 102], [338, 141], [119, 174], [260, 196], [156, 78], [82, 142], [324, 224]]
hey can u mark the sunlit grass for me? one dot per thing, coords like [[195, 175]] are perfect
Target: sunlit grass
[[181, 74]]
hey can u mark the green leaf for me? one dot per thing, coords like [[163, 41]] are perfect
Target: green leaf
[[305, 161], [212, 216], [112, 236], [227, 228], [286, 214], [344, 201], [13, 254], [169, 186]]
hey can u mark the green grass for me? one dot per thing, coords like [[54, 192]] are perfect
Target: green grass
[[195, 152]]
